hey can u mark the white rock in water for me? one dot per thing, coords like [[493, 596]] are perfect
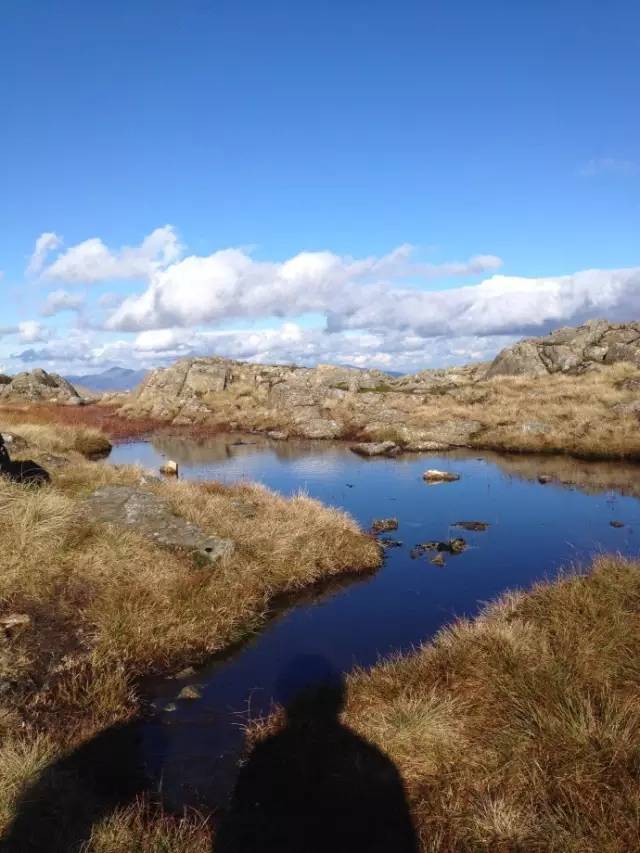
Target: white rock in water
[[435, 476], [170, 468]]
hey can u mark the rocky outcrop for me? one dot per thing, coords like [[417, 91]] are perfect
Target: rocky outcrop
[[149, 515], [38, 386], [428, 411], [571, 350], [322, 402]]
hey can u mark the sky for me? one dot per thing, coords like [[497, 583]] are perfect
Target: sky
[[400, 185]]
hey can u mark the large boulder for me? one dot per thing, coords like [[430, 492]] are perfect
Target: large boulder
[[38, 386], [151, 516], [570, 350]]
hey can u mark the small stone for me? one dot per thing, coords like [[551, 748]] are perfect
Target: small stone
[[543, 479], [438, 560], [617, 524], [170, 708], [381, 525], [169, 469], [278, 435], [191, 692], [435, 476], [188, 672], [15, 621]]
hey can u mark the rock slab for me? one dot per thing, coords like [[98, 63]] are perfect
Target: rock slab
[[151, 516]]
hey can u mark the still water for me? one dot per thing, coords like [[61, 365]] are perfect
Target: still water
[[534, 531]]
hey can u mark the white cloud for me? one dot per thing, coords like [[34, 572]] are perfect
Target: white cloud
[[610, 166], [92, 261], [61, 300], [369, 295], [45, 244], [288, 343], [32, 332], [230, 284]]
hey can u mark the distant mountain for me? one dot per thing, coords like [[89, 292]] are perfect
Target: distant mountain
[[113, 379]]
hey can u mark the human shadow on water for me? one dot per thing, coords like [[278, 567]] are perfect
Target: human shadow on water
[[58, 811], [316, 785]]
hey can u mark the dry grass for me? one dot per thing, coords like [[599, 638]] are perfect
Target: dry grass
[[96, 417], [50, 437], [108, 606], [588, 416], [520, 730]]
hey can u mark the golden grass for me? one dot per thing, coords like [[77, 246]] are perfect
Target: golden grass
[[54, 438], [589, 416], [520, 730], [108, 606]]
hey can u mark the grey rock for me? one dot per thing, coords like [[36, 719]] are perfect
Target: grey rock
[[15, 443], [151, 516], [38, 386], [571, 350], [376, 448], [433, 475]]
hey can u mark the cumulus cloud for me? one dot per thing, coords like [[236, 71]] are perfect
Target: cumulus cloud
[[230, 284], [61, 300], [610, 166], [31, 332], [45, 244], [92, 261], [369, 294], [288, 343]]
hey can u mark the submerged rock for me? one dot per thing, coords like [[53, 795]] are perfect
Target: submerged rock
[[389, 542], [152, 517], [381, 525], [191, 692], [438, 560], [376, 448], [475, 526], [617, 524], [452, 546], [435, 476]]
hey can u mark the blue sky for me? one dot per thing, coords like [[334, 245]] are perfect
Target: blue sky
[[286, 143]]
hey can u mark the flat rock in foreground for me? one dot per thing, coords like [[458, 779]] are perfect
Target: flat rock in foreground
[[151, 516]]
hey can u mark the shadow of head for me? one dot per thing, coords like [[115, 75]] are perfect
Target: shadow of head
[[313, 783], [311, 690]]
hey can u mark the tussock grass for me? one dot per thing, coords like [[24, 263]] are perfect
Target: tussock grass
[[520, 730], [141, 829], [96, 416], [590, 416], [49, 437], [108, 606]]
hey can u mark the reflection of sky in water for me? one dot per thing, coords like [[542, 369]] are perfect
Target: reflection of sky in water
[[534, 531]]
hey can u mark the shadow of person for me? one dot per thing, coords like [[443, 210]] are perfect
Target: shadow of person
[[316, 785], [58, 811]]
